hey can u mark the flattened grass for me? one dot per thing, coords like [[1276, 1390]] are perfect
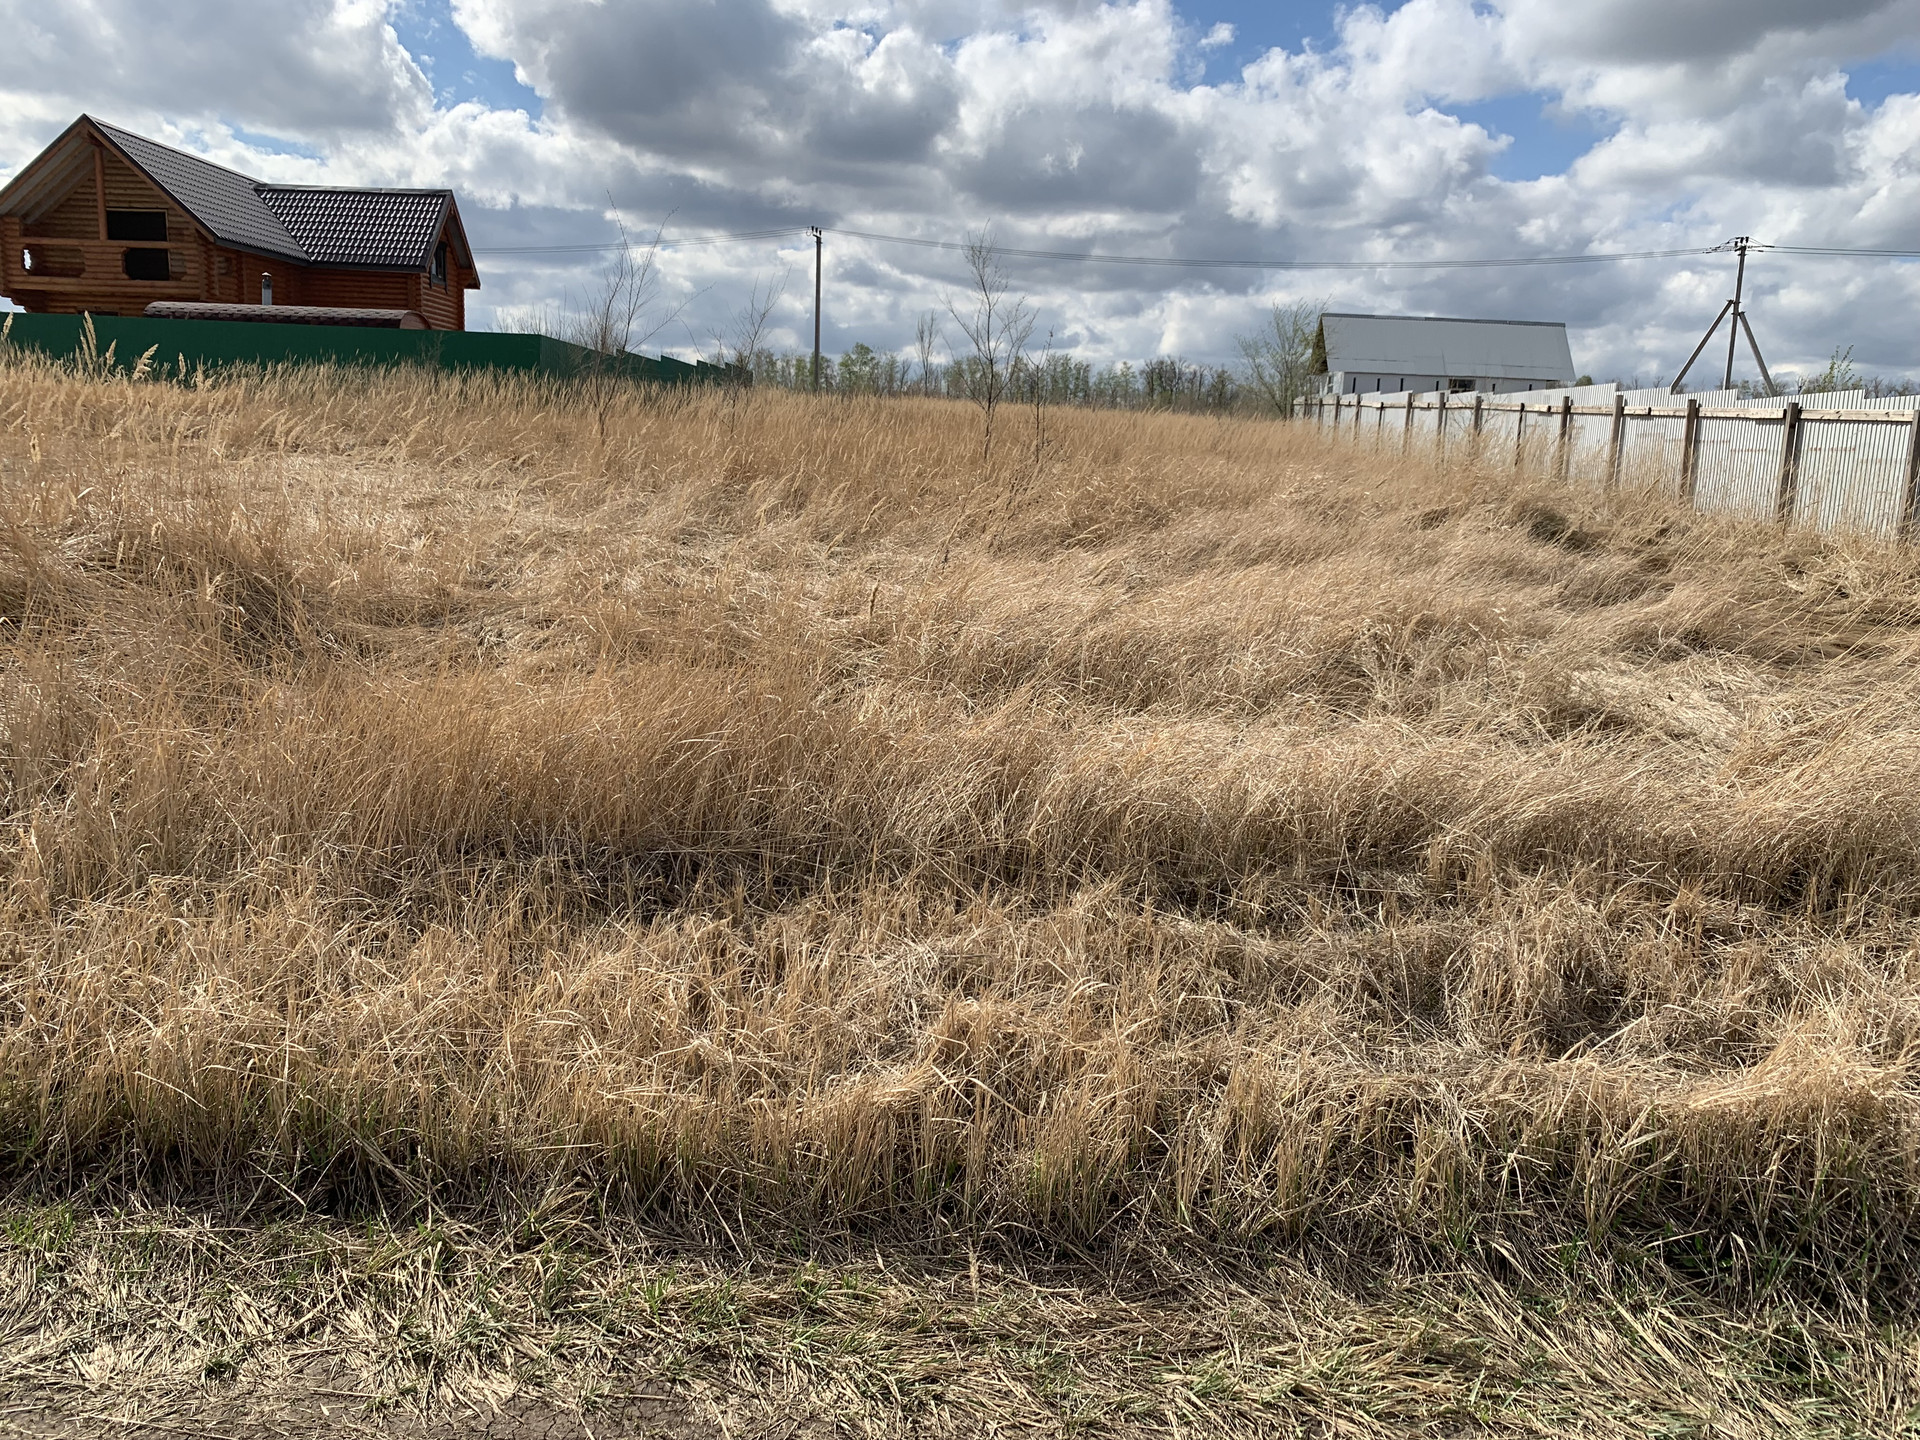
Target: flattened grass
[[1208, 850]]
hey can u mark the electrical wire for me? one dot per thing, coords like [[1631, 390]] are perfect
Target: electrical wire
[[1186, 263], [1840, 250], [664, 243], [1195, 263]]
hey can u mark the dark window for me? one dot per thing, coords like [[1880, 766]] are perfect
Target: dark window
[[439, 272], [136, 225], [1459, 387], [145, 265]]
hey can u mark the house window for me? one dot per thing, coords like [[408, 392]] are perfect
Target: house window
[[137, 225], [438, 274], [266, 288], [1459, 386], [141, 264]]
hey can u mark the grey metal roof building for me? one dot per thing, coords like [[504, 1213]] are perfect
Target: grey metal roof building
[[1364, 354]]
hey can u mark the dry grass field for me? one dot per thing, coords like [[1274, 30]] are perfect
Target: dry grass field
[[758, 924]]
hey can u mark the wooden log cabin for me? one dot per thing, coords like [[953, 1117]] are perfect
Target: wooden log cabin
[[107, 222]]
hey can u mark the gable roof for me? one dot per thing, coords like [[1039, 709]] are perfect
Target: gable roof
[[341, 227], [1421, 345], [226, 203], [335, 226]]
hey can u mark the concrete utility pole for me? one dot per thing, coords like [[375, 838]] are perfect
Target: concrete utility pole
[[816, 305], [1740, 244], [1736, 325]]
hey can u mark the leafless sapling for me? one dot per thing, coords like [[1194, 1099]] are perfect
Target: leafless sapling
[[996, 324], [926, 339], [623, 311]]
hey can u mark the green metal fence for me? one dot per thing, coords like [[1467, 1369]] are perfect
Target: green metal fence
[[213, 344]]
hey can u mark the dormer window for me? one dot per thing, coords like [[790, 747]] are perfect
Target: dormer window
[[438, 274]]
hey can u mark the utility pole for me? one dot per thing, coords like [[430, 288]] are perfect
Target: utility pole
[[1740, 244], [1736, 325], [816, 305]]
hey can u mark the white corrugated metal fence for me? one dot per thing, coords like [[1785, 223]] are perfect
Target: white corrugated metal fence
[[1835, 461]]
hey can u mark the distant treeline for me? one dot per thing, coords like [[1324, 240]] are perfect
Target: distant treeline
[[1166, 383]]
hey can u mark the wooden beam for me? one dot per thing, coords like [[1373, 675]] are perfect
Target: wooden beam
[[1564, 459], [1618, 442], [100, 186], [1787, 489], [1690, 452], [1910, 497]]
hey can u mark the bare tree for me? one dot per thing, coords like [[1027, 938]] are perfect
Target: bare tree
[[926, 338], [623, 311], [996, 323], [745, 334], [1278, 358]]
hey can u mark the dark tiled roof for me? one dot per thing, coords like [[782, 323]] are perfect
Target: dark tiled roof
[[390, 228], [225, 201], [310, 224]]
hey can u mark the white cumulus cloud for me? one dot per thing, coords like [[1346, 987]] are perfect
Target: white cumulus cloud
[[1118, 127]]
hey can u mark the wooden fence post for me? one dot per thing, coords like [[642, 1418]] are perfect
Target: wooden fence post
[[1406, 431], [1563, 462], [1519, 433], [1690, 451], [1618, 441], [1787, 492], [1440, 426], [1910, 497]]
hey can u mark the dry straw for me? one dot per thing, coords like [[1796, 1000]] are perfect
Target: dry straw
[[764, 811]]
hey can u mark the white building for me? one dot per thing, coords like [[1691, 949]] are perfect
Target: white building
[[1373, 354]]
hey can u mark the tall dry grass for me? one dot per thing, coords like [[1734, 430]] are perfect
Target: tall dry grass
[[766, 816]]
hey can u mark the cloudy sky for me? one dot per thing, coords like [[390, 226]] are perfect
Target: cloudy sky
[[1202, 129]]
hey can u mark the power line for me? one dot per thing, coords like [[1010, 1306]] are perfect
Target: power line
[[1194, 263], [1840, 250], [1185, 263], [665, 244]]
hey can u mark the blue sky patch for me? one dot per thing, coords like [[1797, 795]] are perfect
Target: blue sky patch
[[1546, 140], [1872, 81], [441, 49]]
